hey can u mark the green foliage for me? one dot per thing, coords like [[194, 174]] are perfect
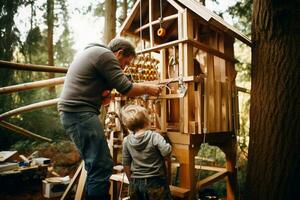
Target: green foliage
[[242, 10], [33, 50]]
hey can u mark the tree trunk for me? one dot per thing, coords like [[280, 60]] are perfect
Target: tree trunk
[[110, 20], [274, 149], [50, 23], [124, 11]]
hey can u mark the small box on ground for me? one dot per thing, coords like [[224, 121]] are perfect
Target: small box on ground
[[55, 186], [40, 161]]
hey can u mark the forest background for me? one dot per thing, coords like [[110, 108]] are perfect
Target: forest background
[[40, 32]]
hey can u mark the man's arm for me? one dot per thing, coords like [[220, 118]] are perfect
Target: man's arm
[[142, 88], [127, 171]]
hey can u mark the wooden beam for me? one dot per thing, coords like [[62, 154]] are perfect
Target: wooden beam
[[202, 167], [210, 50], [211, 179], [151, 26], [241, 89], [73, 181], [179, 191], [23, 131], [31, 67], [168, 18], [162, 46], [81, 184], [28, 108], [128, 21], [163, 104], [32, 85], [175, 5]]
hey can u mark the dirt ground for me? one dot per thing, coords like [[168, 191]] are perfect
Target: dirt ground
[[64, 161]]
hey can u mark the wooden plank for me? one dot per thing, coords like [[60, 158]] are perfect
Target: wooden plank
[[210, 50], [28, 108], [189, 25], [217, 102], [179, 191], [214, 19], [31, 67], [181, 69], [163, 103], [198, 110], [165, 19], [179, 138], [210, 168], [128, 21], [193, 127], [241, 89], [189, 99], [5, 155], [185, 156], [217, 71], [205, 105], [162, 46], [221, 60], [81, 184], [211, 179], [203, 167], [224, 107], [23, 131], [32, 85], [73, 181], [150, 24], [210, 106], [175, 5]]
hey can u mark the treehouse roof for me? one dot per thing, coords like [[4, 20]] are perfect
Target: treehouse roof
[[169, 9]]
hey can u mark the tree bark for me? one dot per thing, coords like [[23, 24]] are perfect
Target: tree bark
[[50, 24], [274, 149], [110, 20]]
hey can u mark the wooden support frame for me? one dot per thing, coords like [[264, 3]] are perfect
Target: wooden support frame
[[32, 85], [27, 67], [73, 181], [211, 179], [165, 19], [23, 131], [28, 108]]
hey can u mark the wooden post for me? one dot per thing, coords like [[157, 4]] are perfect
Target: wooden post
[[163, 103], [150, 24], [185, 148], [229, 148]]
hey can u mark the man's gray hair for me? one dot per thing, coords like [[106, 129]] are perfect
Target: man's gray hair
[[117, 44]]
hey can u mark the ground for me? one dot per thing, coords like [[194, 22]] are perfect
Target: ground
[[64, 161]]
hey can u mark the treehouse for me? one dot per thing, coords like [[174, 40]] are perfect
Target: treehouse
[[188, 49]]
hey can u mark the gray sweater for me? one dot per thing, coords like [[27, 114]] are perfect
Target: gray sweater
[[93, 71], [145, 154]]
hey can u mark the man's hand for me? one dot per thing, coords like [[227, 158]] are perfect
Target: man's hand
[[144, 88], [152, 89]]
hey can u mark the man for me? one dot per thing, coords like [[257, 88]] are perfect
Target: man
[[97, 69]]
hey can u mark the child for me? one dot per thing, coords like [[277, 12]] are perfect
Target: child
[[143, 157]]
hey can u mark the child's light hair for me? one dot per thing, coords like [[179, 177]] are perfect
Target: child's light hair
[[135, 117]]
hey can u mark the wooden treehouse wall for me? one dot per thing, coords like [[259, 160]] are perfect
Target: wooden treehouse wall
[[197, 64]]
